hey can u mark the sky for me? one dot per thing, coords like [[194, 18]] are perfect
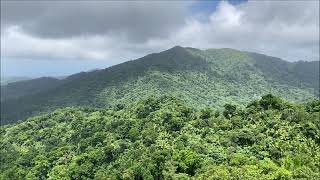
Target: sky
[[47, 38]]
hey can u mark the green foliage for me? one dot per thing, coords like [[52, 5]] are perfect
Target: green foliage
[[229, 110], [270, 102], [213, 77], [166, 138]]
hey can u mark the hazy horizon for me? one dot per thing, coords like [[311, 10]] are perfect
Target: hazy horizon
[[85, 67]]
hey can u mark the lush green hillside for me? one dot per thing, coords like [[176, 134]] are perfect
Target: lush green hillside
[[202, 77], [165, 138]]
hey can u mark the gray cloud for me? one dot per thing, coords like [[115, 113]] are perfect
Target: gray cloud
[[285, 12], [136, 20], [119, 31]]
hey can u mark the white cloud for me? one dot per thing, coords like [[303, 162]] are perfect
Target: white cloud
[[289, 30], [227, 16]]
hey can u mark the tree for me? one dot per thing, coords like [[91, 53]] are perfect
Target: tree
[[229, 110]]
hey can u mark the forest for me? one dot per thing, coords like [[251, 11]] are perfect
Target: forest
[[166, 138], [211, 77], [160, 90]]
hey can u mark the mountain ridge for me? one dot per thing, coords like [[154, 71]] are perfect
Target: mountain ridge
[[205, 77]]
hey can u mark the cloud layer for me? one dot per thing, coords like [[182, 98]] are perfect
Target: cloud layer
[[119, 31]]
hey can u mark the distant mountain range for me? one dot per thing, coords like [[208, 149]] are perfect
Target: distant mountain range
[[210, 77], [10, 79]]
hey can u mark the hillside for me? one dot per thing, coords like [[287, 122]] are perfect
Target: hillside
[[10, 79], [28, 87], [202, 77], [166, 138]]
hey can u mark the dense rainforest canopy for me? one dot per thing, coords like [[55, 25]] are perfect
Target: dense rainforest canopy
[[166, 138]]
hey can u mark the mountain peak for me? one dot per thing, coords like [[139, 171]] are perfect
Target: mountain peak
[[177, 47], [224, 50]]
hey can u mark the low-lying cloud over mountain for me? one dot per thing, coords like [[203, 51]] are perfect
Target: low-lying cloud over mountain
[[119, 31]]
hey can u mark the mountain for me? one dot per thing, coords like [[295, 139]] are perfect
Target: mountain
[[28, 87], [10, 79], [166, 138], [210, 77]]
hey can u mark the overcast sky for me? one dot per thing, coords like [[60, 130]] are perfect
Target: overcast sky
[[58, 38]]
